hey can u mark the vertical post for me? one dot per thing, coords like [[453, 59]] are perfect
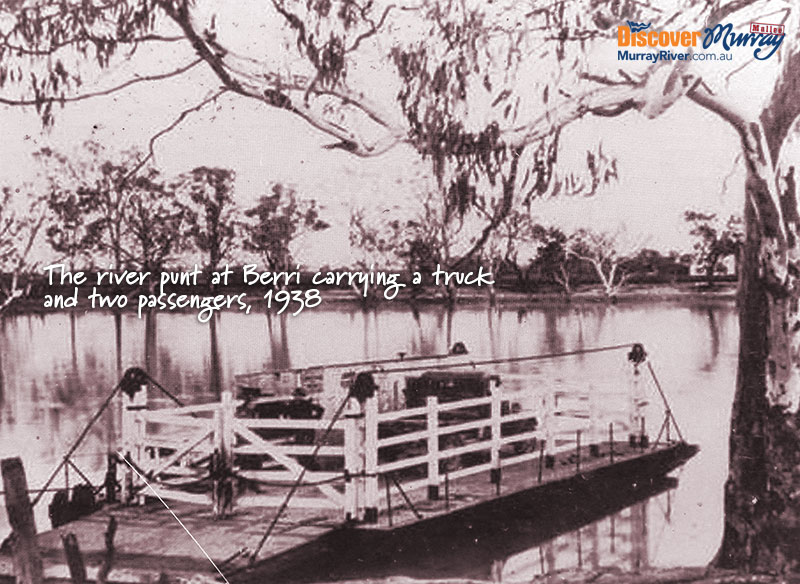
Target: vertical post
[[217, 464], [496, 424], [593, 406], [611, 441], [549, 434], [133, 436], [371, 459], [541, 457], [388, 498], [547, 402], [226, 444], [643, 440], [140, 424], [77, 569], [446, 491], [433, 447], [595, 430], [351, 463], [27, 559], [636, 407], [110, 481], [131, 419], [228, 412], [578, 451]]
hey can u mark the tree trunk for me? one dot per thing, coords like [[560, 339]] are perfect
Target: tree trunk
[[761, 523], [762, 508]]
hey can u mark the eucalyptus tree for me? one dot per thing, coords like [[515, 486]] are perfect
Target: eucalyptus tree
[[210, 212], [21, 219]]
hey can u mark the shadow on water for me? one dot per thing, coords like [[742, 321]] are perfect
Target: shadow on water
[[472, 549]]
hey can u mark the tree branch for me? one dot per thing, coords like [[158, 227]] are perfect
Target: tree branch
[[174, 124], [103, 92]]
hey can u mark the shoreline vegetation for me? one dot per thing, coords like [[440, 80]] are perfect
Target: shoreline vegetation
[[724, 290]]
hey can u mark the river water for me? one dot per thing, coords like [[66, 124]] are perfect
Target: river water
[[56, 369]]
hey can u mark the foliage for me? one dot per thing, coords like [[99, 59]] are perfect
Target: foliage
[[88, 195], [18, 232], [715, 240], [276, 221], [606, 252], [206, 195], [552, 262], [418, 243], [154, 221]]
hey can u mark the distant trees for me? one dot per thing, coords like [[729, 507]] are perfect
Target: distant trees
[[606, 252], [88, 199], [715, 240], [154, 222], [21, 219], [206, 195], [552, 262], [95, 210], [277, 220]]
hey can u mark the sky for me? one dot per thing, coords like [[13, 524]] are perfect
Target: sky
[[678, 161]]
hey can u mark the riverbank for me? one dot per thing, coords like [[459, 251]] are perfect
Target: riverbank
[[632, 294]]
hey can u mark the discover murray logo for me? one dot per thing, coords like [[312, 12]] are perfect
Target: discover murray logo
[[764, 38]]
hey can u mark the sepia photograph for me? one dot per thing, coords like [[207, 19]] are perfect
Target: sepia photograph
[[399, 291]]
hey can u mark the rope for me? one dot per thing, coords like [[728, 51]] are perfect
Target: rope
[[405, 496], [320, 443], [349, 364], [164, 390], [664, 399], [439, 367], [75, 445]]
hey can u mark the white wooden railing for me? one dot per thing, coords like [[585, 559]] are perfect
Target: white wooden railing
[[419, 448]]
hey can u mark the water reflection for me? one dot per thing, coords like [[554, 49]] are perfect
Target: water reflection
[[620, 529], [56, 369]]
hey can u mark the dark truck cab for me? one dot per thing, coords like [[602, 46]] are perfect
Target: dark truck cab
[[295, 407], [451, 387]]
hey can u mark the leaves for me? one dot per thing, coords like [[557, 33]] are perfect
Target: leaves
[[276, 221], [206, 197]]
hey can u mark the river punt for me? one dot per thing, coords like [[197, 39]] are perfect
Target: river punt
[[408, 450]]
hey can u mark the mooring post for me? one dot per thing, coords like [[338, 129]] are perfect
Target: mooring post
[[496, 422], [27, 559], [77, 568], [371, 459], [432, 403]]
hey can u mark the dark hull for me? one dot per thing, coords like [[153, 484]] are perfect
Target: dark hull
[[462, 544]]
